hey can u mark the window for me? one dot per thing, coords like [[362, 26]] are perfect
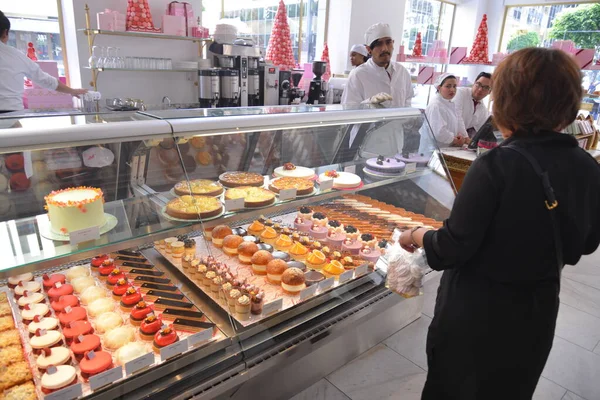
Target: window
[[433, 18], [256, 22], [36, 21]]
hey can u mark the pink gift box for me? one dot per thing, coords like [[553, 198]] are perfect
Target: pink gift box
[[425, 75], [173, 25], [200, 32], [584, 57], [36, 99], [457, 55], [111, 21], [401, 57], [49, 67], [183, 9]]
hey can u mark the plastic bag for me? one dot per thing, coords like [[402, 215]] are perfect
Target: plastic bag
[[405, 271]]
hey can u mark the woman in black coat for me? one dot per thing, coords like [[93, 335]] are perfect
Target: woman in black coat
[[498, 299]]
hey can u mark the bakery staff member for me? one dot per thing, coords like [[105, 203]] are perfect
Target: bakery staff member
[[14, 67], [358, 55], [469, 103], [445, 121], [380, 81]]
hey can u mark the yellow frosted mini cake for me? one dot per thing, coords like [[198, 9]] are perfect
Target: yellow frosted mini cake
[[76, 208]]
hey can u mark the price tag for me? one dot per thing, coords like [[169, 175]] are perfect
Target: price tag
[[272, 307], [84, 235], [309, 292], [326, 184], [288, 194], [326, 284], [410, 168], [173, 350], [363, 269], [200, 337], [106, 378], [350, 168], [58, 285], [235, 204], [139, 363], [68, 393], [346, 276]]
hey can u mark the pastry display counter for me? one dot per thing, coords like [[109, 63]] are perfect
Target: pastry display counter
[[235, 245]]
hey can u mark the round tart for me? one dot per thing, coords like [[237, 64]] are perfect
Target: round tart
[[29, 312], [77, 328], [115, 276], [29, 287], [14, 280], [238, 178], [130, 299], [43, 339], [92, 365], [294, 171], [74, 314], [139, 312], [30, 299], [65, 375], [98, 260], [164, 337], [302, 186], [84, 343], [46, 323], [53, 356], [149, 327], [59, 290], [194, 207], [253, 196], [202, 187]]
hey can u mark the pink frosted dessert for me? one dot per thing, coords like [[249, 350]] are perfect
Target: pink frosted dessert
[[352, 246]]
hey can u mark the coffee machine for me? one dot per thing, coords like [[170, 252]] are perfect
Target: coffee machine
[[209, 85], [269, 84], [316, 92], [253, 82], [289, 92]]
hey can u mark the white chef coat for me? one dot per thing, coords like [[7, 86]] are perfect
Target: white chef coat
[[445, 122], [14, 67], [472, 117], [369, 79]]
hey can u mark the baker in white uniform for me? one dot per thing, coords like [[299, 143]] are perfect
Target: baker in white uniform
[[469, 103], [380, 81], [14, 67], [358, 55], [446, 123]]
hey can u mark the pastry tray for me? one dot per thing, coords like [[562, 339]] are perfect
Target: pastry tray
[[243, 271], [30, 357]]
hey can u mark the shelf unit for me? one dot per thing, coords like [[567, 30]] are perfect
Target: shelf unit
[[93, 33]]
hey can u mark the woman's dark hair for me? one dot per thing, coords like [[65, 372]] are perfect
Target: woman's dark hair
[[536, 89], [483, 75], [4, 24]]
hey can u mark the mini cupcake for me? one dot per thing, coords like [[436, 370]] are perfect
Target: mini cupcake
[[215, 286], [269, 235], [186, 260], [168, 242], [283, 243], [302, 224], [177, 249], [208, 278], [225, 288], [193, 270], [256, 228], [305, 212], [347, 262], [336, 255], [327, 251], [319, 219], [190, 247], [306, 241], [351, 232], [242, 307], [368, 240], [335, 226], [201, 270], [233, 297]]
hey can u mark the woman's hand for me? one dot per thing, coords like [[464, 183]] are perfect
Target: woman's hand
[[459, 141], [406, 241]]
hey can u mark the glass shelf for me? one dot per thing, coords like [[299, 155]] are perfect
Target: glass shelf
[[143, 35], [139, 70]]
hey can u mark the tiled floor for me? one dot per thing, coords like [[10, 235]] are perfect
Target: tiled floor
[[396, 368]]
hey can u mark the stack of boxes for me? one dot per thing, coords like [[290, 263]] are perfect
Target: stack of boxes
[[38, 98]]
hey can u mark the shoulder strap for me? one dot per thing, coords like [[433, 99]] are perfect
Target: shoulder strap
[[551, 202]]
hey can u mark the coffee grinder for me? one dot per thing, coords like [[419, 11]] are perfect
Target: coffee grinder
[[289, 91], [296, 92], [316, 92]]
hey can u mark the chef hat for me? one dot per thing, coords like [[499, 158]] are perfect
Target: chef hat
[[440, 79], [360, 49], [376, 32]]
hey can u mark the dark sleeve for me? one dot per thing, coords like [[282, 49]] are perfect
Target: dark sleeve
[[474, 208], [593, 239]]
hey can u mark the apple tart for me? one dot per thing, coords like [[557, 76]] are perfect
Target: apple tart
[[194, 207]]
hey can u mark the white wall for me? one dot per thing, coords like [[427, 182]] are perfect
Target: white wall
[[148, 86], [338, 34]]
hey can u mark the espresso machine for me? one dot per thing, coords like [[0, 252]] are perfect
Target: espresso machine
[[316, 92], [209, 85], [289, 92], [253, 82], [269, 84]]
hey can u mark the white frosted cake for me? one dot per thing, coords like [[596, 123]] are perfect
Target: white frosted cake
[[341, 180], [293, 171], [73, 209]]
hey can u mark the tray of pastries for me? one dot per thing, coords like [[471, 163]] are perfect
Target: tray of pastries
[[189, 207], [304, 187], [68, 327]]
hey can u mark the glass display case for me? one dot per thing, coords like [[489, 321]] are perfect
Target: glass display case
[[251, 237]]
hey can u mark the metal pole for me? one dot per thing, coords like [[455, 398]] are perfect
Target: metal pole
[[300, 34], [88, 32]]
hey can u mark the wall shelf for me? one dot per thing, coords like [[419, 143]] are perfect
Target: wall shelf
[[139, 70], [94, 32]]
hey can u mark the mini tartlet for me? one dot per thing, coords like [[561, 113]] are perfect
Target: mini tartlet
[[130, 299], [139, 313], [150, 326]]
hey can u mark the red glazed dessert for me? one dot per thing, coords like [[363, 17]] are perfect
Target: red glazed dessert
[[120, 288], [150, 326], [139, 313], [59, 304], [94, 363], [114, 277], [19, 182], [106, 268], [59, 289], [72, 314], [75, 329], [15, 162], [164, 337], [130, 299], [84, 343], [49, 280], [98, 260]]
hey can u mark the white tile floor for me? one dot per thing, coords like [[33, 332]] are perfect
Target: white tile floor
[[396, 368]]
